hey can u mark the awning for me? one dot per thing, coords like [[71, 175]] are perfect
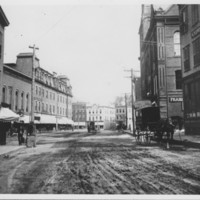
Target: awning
[[25, 119], [70, 122], [8, 115], [47, 119]]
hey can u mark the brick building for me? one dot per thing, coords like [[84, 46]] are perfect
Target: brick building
[[160, 59], [52, 93], [190, 47], [79, 114]]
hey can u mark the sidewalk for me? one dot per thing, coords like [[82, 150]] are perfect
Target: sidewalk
[[11, 145], [180, 136]]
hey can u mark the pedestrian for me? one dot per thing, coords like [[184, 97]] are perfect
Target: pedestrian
[[2, 133], [31, 135], [20, 133]]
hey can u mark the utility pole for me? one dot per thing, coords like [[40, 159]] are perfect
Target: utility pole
[[33, 82], [133, 98], [126, 112]]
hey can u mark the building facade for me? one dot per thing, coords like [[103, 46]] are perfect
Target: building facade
[[79, 114], [123, 115], [190, 48], [103, 116], [3, 23], [52, 93], [160, 59]]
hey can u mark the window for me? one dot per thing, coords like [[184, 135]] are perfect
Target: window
[[42, 92], [177, 50], [196, 52], [186, 58], [178, 79], [35, 105], [195, 14], [184, 20], [160, 34], [1, 43], [39, 106], [22, 101], [4, 94], [47, 107], [36, 89], [42, 106], [10, 96], [27, 102], [47, 94], [16, 100]]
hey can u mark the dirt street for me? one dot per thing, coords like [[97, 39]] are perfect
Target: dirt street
[[102, 163]]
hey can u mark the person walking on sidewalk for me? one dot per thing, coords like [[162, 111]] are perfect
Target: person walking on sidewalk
[[31, 138], [20, 133]]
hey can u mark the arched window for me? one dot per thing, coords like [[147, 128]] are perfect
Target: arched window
[[10, 96], [4, 94], [177, 50], [27, 102], [16, 100], [22, 100]]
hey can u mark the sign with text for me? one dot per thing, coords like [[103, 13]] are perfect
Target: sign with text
[[175, 99], [142, 104]]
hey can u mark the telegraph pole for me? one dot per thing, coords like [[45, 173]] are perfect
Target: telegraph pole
[[33, 82], [126, 111], [133, 97]]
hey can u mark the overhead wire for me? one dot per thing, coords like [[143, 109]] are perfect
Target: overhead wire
[[55, 24]]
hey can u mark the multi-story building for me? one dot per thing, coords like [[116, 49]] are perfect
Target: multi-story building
[[52, 93], [3, 23], [103, 116], [190, 47], [124, 116], [79, 114], [160, 59]]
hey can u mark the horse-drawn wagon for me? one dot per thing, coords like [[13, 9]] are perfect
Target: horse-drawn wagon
[[92, 127], [152, 127]]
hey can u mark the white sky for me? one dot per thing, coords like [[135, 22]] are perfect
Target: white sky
[[91, 42]]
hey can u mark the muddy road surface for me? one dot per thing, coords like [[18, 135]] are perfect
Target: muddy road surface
[[102, 163]]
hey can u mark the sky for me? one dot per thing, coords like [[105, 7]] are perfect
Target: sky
[[93, 43]]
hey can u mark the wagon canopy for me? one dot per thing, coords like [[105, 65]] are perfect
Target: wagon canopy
[[8, 115]]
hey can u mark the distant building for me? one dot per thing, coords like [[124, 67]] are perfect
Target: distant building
[[52, 93], [103, 116], [190, 48], [124, 116], [160, 59], [79, 114]]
